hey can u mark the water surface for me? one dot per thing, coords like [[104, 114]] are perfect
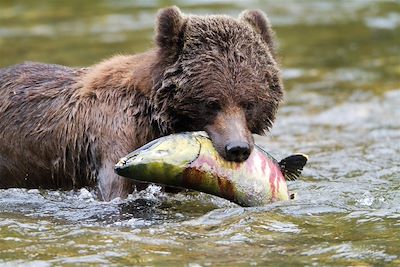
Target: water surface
[[341, 63]]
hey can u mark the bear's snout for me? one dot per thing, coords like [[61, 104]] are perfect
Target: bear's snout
[[237, 151], [230, 135]]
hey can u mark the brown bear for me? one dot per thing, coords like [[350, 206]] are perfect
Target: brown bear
[[65, 128]]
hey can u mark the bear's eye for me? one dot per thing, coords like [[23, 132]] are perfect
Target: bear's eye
[[248, 106], [213, 106]]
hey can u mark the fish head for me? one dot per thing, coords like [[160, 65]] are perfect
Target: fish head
[[174, 151]]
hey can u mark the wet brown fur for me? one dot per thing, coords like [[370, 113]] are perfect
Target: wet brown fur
[[65, 128]]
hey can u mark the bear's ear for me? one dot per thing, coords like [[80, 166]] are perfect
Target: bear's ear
[[169, 28], [260, 23]]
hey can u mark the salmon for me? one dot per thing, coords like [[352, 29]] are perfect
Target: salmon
[[189, 160]]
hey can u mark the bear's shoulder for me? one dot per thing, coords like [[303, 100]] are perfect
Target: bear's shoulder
[[120, 72]]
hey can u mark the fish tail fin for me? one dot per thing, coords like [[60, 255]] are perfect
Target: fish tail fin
[[292, 166]]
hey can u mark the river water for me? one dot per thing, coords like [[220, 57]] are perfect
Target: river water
[[341, 63]]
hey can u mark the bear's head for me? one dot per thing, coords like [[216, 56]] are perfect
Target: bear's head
[[217, 74]]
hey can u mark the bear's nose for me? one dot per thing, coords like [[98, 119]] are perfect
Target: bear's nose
[[237, 151]]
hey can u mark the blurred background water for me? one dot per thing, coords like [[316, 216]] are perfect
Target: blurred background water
[[341, 62]]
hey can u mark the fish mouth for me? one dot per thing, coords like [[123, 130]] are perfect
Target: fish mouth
[[120, 167]]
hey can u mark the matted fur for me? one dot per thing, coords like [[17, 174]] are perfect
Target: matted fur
[[65, 128]]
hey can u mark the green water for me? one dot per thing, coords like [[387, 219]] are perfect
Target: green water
[[341, 63]]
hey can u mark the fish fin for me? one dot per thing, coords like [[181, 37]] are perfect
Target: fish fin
[[292, 166]]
